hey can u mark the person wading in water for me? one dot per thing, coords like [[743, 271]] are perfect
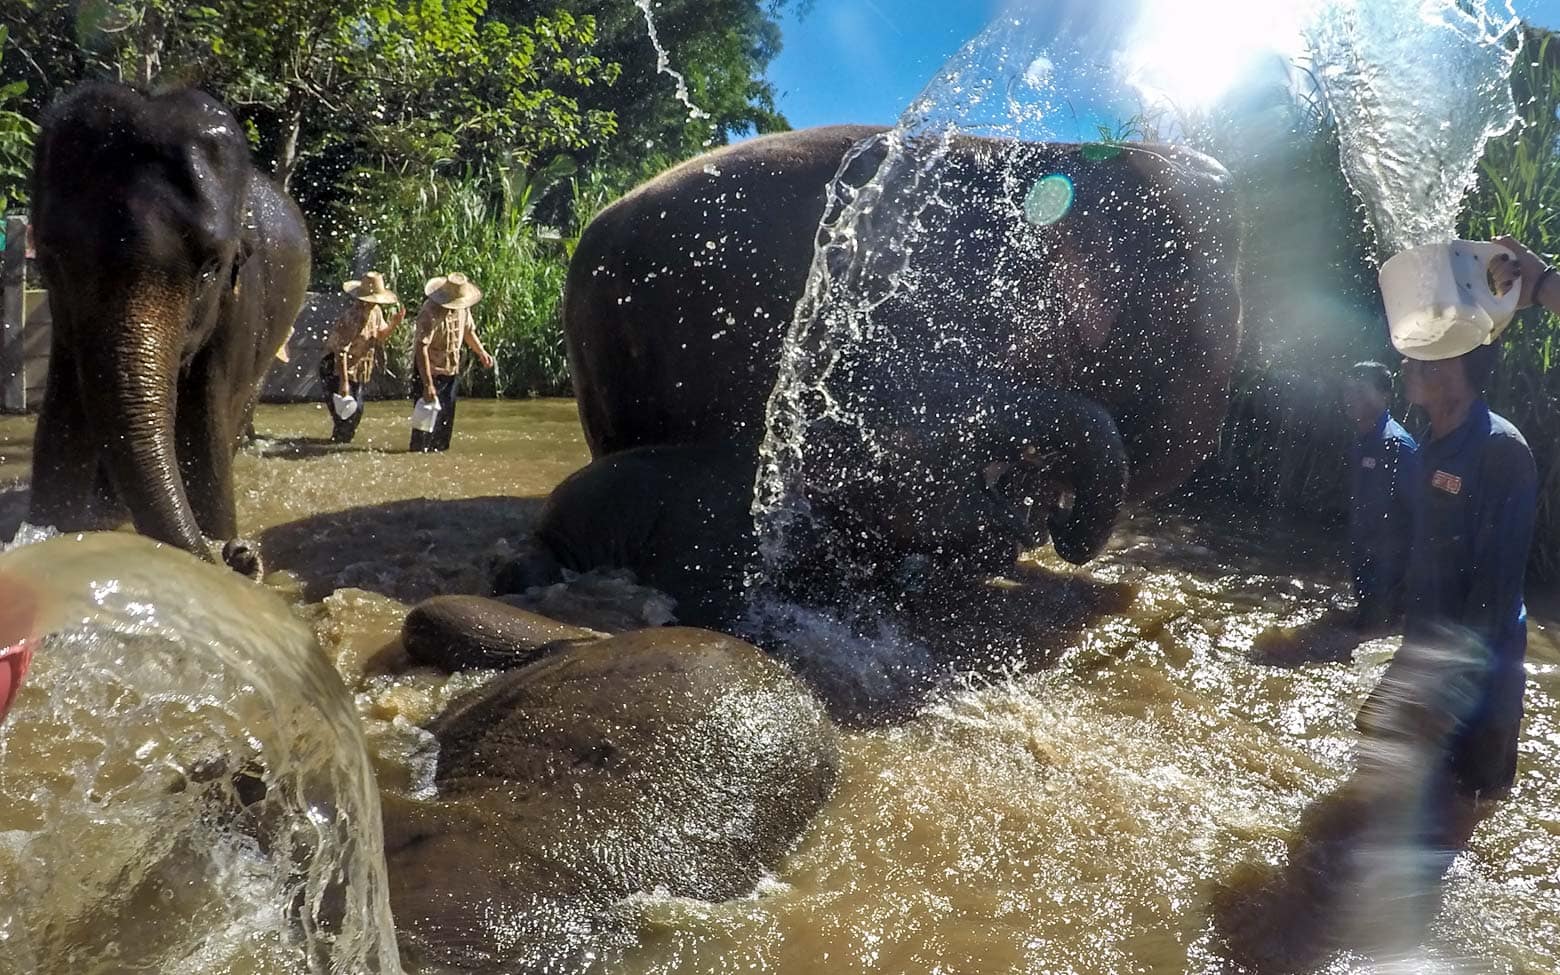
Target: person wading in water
[[1439, 732], [1384, 469], [352, 351], [443, 325]]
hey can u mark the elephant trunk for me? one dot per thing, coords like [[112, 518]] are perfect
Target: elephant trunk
[[1074, 441], [136, 367]]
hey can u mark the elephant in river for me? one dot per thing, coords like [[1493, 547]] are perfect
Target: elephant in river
[[669, 760], [175, 270], [1040, 374]]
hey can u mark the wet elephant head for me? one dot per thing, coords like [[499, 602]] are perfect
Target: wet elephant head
[[964, 489], [174, 271]]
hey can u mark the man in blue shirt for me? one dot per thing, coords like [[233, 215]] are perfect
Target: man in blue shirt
[[1383, 472], [1473, 515]]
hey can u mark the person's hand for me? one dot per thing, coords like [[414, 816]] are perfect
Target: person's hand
[[429, 393], [397, 317], [345, 391], [1523, 265], [487, 360]]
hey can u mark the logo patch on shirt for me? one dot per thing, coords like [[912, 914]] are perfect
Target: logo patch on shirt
[[1369, 463], [1450, 483]]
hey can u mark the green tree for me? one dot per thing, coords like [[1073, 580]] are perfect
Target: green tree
[[16, 140], [722, 47], [419, 82]]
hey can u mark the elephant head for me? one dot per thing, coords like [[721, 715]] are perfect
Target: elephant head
[[960, 491], [145, 214]]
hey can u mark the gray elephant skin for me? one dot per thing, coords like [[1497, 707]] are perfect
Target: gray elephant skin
[[175, 270], [1093, 360], [672, 760]]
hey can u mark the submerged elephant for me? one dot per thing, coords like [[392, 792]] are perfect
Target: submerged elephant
[[175, 270], [670, 760], [1093, 357]]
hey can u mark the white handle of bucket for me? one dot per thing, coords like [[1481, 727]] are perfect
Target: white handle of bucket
[[1500, 308]]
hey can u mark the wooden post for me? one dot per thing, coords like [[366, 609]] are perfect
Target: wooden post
[[13, 317]]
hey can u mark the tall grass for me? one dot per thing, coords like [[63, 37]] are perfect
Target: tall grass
[[1519, 194], [484, 225]]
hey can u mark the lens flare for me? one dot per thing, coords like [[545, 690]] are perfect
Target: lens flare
[[1049, 200], [1191, 54]]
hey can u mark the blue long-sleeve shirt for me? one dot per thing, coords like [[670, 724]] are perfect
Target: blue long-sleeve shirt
[[1473, 524], [1385, 473]]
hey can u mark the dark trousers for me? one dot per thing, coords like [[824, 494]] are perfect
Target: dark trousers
[[344, 430], [439, 437]]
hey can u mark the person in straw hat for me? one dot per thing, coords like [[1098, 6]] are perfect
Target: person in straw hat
[[444, 324], [1474, 506], [352, 351]]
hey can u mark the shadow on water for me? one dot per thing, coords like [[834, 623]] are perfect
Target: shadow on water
[[407, 550], [303, 448], [1026, 617]]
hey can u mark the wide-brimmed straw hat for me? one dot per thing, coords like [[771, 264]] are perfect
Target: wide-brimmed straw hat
[[453, 290], [371, 289]]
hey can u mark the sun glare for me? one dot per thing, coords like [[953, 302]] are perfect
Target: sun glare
[[1190, 53]]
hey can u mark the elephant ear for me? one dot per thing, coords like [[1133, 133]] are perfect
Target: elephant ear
[[1087, 282]]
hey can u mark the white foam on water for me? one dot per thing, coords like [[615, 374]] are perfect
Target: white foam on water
[[27, 534]]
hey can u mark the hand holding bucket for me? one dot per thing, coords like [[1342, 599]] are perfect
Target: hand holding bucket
[[425, 415], [1439, 301]]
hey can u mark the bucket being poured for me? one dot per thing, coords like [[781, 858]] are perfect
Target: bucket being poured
[[1439, 301]]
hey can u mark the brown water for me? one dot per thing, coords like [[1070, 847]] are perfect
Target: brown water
[[1072, 809]]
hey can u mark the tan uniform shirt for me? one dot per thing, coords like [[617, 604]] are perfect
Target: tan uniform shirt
[[358, 333], [443, 331]]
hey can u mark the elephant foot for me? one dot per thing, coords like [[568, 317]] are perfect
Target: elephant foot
[[243, 557], [472, 633]]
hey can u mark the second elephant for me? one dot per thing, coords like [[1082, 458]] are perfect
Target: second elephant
[[1096, 344]]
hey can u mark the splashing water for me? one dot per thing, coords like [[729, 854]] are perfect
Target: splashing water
[[855, 369], [1416, 95], [1415, 90], [187, 784], [663, 64]]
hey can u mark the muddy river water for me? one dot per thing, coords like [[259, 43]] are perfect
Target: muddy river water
[[1073, 807]]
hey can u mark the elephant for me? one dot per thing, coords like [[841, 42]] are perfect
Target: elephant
[[674, 760], [1091, 364], [679, 520], [175, 270]]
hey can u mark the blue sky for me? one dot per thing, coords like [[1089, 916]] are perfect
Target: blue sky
[[864, 60]]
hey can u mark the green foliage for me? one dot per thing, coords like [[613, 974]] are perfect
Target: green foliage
[[1519, 194], [16, 140], [722, 47], [482, 224]]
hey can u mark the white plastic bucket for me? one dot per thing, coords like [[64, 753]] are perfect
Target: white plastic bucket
[[1439, 302], [345, 405], [424, 415]]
